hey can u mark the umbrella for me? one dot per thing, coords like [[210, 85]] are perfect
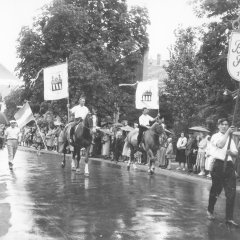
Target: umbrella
[[117, 125], [127, 128], [107, 131], [3, 119], [199, 129]]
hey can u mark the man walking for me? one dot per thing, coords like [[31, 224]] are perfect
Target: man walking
[[223, 178], [12, 138]]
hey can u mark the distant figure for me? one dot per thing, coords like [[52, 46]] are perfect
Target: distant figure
[[180, 156], [12, 138]]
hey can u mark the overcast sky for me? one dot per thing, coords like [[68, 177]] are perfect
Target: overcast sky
[[165, 16]]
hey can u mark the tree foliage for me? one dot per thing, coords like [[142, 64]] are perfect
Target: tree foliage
[[213, 53], [185, 86], [103, 42]]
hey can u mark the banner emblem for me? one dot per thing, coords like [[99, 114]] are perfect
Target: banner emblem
[[147, 95], [56, 82]]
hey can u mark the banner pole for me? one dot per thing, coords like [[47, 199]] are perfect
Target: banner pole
[[40, 134], [68, 102], [233, 124]]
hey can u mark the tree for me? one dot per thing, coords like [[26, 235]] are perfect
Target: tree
[[104, 44], [213, 53], [185, 86]]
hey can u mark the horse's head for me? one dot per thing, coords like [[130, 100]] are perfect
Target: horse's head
[[157, 128], [88, 123]]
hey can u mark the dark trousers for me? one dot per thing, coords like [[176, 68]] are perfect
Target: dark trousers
[[140, 133], [220, 180]]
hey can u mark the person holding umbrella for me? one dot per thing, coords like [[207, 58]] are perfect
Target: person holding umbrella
[[12, 138]]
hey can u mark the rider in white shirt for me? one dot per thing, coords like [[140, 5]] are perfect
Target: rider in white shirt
[[144, 124], [80, 112]]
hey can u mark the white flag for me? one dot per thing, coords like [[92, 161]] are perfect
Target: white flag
[[56, 82], [147, 95], [24, 115]]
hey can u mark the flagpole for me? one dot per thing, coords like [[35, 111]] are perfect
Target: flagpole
[[40, 134], [68, 102]]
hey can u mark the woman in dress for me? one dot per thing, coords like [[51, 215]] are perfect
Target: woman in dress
[[180, 155]]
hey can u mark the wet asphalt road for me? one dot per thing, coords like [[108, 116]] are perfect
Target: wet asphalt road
[[39, 200]]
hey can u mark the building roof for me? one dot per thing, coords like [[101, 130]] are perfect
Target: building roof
[[7, 81]]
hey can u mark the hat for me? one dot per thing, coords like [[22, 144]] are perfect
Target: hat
[[13, 121]]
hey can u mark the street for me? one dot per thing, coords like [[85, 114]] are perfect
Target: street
[[40, 200]]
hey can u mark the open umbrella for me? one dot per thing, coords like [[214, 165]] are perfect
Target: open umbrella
[[199, 129], [127, 128], [117, 125], [3, 119], [107, 131]]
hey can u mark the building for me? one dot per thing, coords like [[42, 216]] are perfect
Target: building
[[8, 82]]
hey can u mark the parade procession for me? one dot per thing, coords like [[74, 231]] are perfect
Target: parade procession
[[120, 120]]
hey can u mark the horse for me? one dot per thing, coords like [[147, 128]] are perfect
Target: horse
[[82, 139], [150, 144]]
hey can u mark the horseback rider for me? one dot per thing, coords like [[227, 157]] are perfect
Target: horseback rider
[[145, 121], [80, 112]]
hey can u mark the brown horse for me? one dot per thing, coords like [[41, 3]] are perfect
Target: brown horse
[[82, 139], [150, 144]]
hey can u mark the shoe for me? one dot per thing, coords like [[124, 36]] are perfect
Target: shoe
[[209, 176], [232, 223], [178, 168], [210, 216], [184, 169], [201, 174]]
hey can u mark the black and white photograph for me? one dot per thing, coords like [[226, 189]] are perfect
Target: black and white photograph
[[120, 120]]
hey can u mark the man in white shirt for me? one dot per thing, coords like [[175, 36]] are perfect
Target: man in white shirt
[[145, 122], [80, 112], [220, 178], [12, 138]]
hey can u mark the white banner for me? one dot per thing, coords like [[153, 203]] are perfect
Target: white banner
[[233, 62], [56, 82], [147, 95]]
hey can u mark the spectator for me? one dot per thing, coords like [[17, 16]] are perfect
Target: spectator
[[180, 155], [169, 153], [2, 127], [191, 152], [161, 153], [209, 159], [202, 145]]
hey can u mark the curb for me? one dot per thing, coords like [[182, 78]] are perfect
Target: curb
[[168, 173]]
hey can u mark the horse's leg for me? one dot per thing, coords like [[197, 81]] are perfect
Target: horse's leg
[[73, 164], [86, 170], [78, 158], [64, 155], [150, 160], [131, 157]]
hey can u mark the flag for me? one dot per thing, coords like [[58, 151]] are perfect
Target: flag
[[24, 115], [147, 95], [56, 82]]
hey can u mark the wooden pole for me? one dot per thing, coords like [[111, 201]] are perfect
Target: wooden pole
[[68, 102], [233, 124]]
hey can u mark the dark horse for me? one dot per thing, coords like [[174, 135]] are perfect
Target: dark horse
[[82, 139], [150, 144]]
